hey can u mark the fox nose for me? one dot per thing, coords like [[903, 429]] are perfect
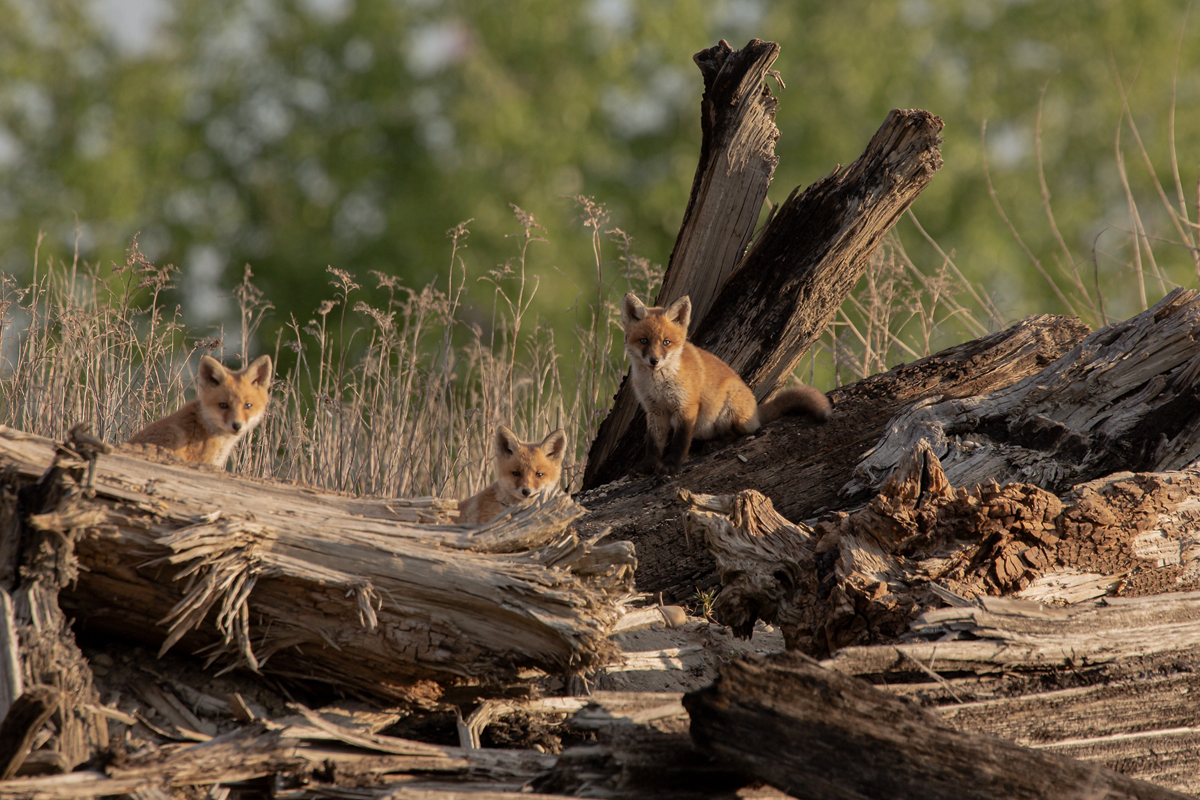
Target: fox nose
[[653, 361], [237, 426], [524, 491]]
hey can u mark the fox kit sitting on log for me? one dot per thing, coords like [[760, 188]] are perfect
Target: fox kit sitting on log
[[230, 404], [523, 469], [689, 393]]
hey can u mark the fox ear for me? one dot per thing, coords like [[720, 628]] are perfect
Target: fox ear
[[260, 371], [555, 445], [211, 371], [680, 312], [506, 441], [632, 309]]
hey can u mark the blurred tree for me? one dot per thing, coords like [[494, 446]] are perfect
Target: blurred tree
[[295, 134]]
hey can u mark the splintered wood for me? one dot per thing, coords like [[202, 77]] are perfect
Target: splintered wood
[[861, 578], [1122, 399], [325, 588]]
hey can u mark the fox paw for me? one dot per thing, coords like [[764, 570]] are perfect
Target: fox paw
[[648, 466]]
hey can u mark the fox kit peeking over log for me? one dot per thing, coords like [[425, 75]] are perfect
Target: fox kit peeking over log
[[689, 393], [523, 469], [230, 404]]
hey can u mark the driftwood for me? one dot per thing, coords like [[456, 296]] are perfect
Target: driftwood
[[781, 294], [317, 587], [809, 730], [802, 468]]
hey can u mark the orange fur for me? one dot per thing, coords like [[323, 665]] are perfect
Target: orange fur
[[229, 405], [523, 469], [688, 393]]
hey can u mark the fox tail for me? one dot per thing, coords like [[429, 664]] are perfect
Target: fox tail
[[796, 400]]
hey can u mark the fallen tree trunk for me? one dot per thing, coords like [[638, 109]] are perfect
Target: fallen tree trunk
[[802, 468], [806, 729], [1123, 399], [1140, 726], [316, 587]]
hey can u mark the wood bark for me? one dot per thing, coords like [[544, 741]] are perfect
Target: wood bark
[[802, 266], [737, 160], [821, 734], [801, 467], [315, 587]]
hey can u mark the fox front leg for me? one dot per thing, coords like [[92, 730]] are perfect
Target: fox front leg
[[681, 442], [657, 427]]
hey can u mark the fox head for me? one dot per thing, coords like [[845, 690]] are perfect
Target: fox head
[[233, 401], [524, 469], [654, 337]]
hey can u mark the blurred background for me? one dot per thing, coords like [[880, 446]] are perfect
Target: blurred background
[[292, 135]]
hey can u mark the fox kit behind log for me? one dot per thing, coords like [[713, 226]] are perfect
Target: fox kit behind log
[[523, 469], [688, 393], [230, 404]]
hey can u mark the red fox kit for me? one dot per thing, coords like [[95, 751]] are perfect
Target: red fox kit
[[230, 404], [689, 393], [523, 469]]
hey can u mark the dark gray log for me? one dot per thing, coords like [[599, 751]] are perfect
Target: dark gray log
[[818, 734]]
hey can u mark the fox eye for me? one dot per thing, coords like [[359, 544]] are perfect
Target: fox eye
[[224, 405], [249, 405], [517, 473], [644, 340], [538, 474], [666, 342]]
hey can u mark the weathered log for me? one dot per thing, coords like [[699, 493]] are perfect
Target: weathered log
[[860, 578], [803, 265], [642, 751], [1123, 399], [737, 160], [801, 467], [45, 676], [318, 587], [295, 748], [1010, 633], [1145, 728], [813, 731]]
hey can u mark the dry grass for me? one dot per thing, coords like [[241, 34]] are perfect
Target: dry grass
[[402, 399], [396, 400]]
